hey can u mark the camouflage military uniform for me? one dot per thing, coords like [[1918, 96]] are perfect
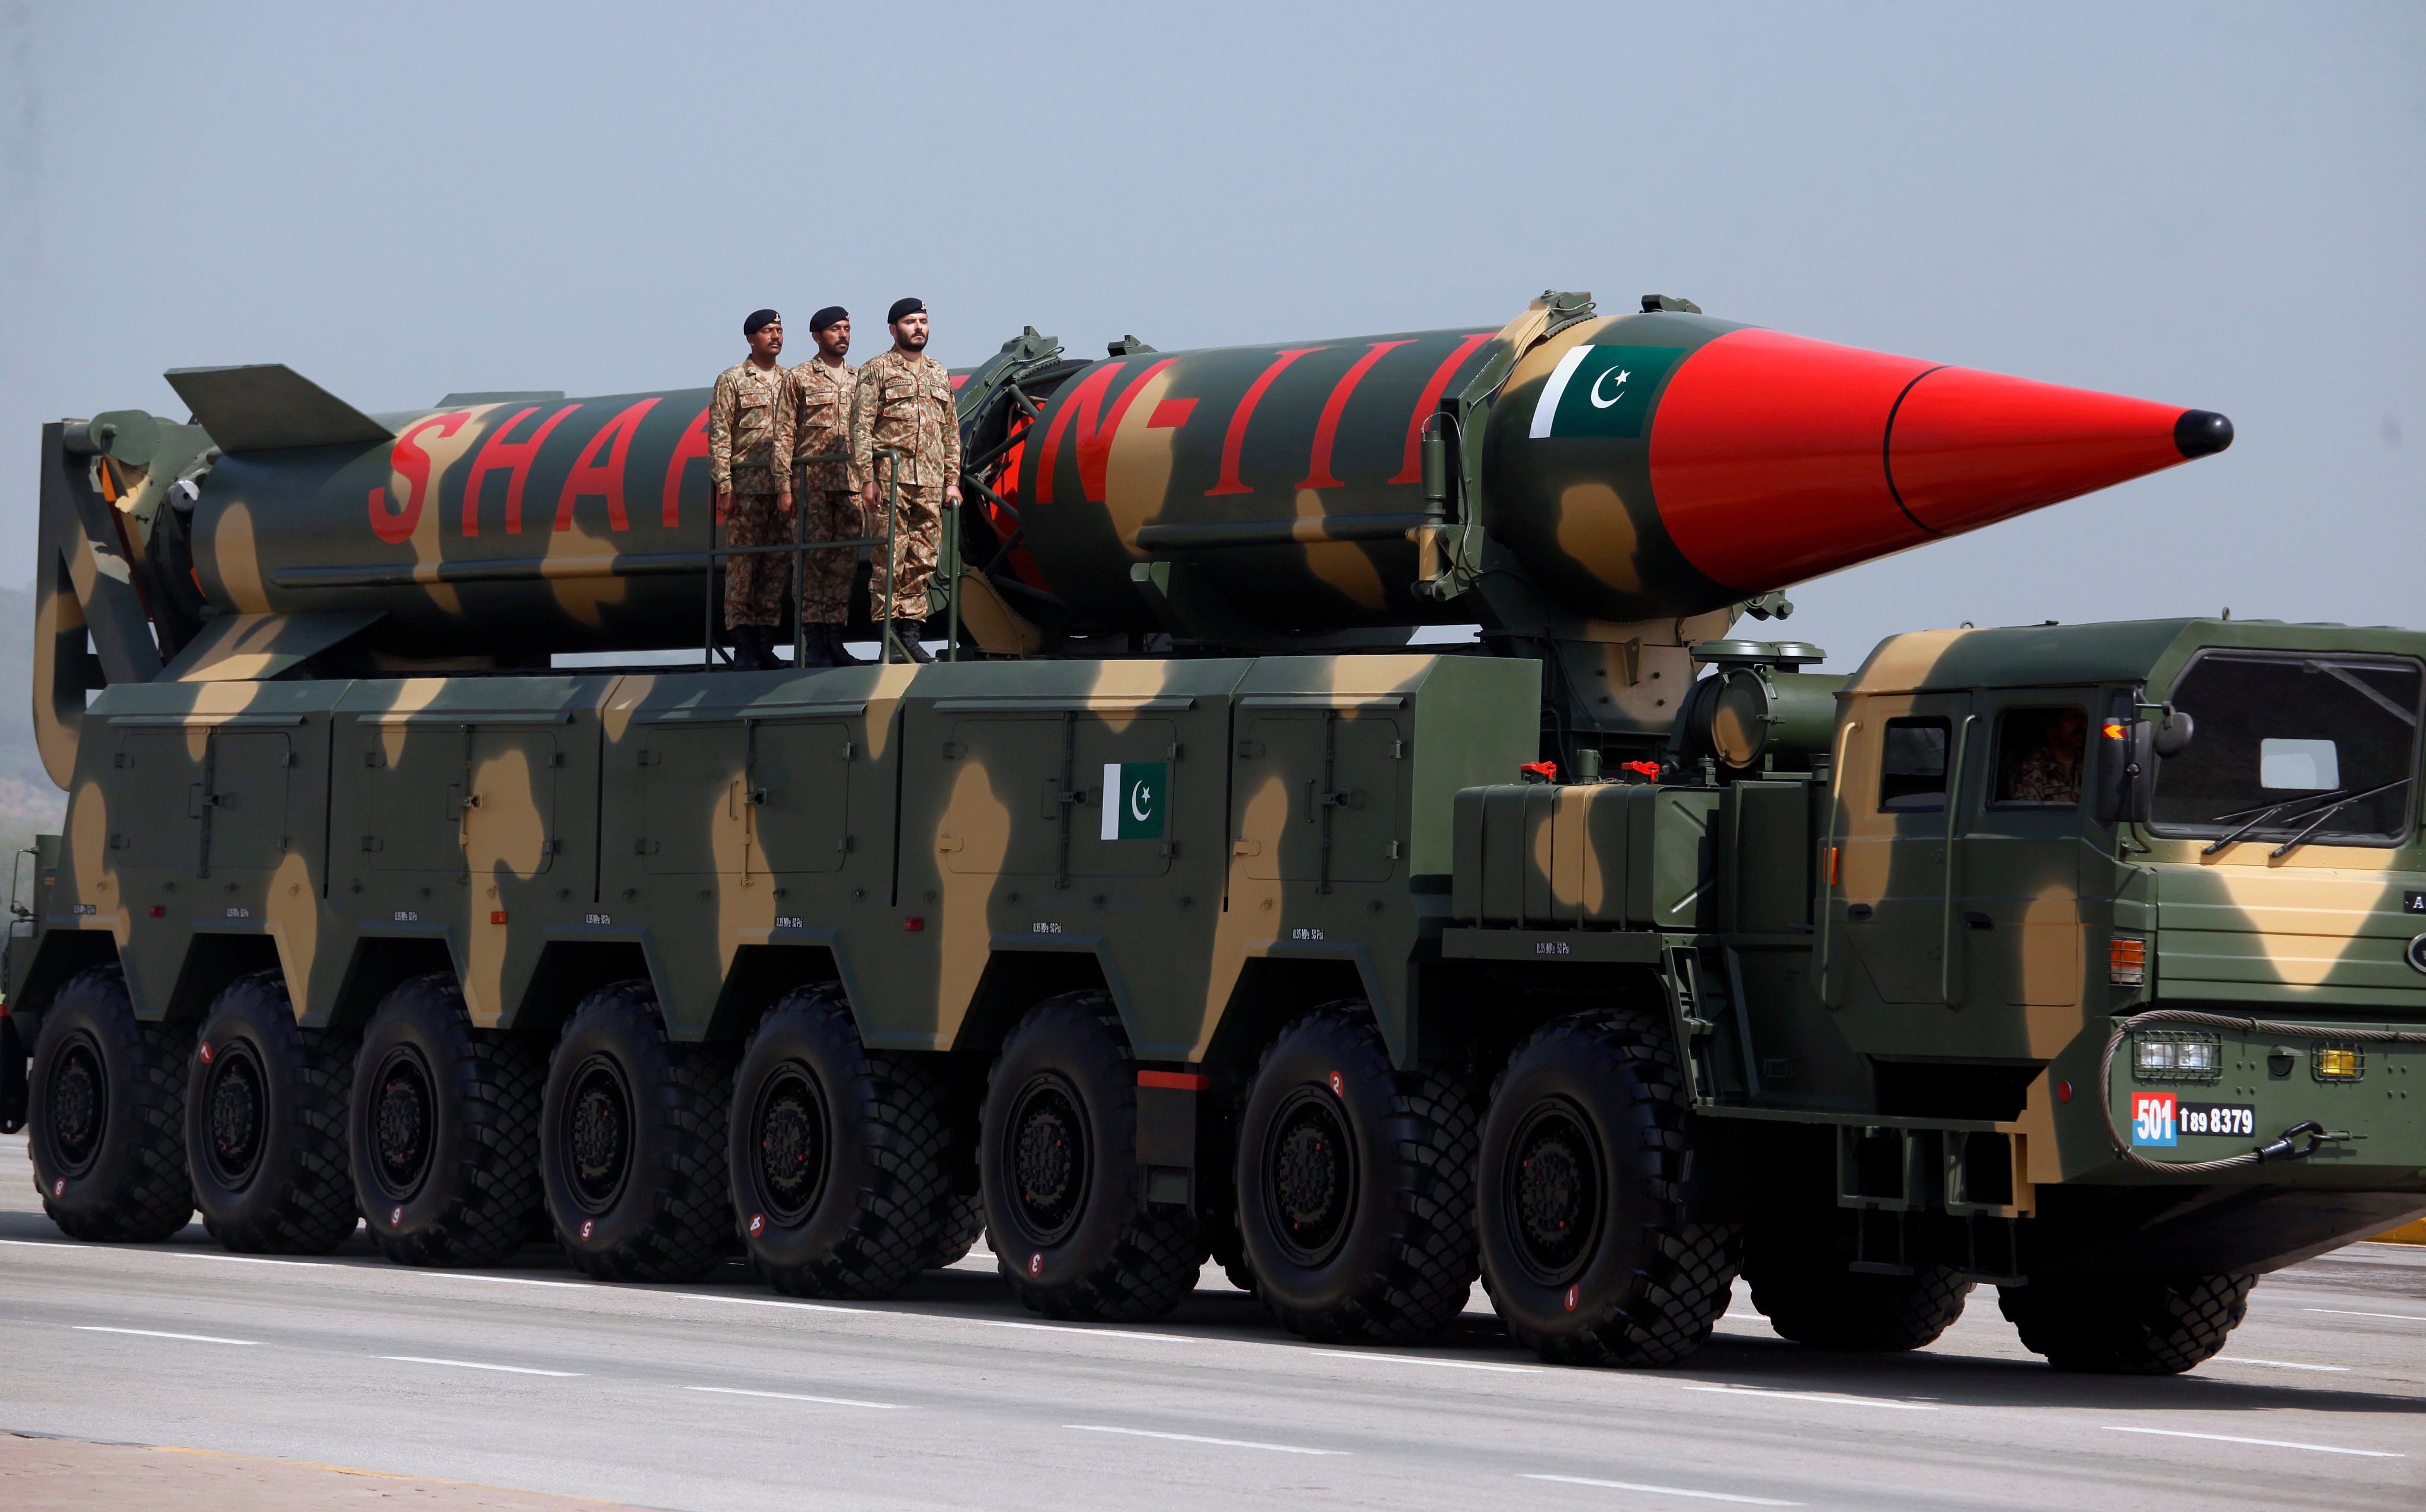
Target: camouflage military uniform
[[749, 441], [818, 398], [904, 401], [2045, 779]]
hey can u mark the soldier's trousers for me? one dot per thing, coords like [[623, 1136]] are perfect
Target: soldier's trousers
[[834, 515], [754, 585], [922, 533]]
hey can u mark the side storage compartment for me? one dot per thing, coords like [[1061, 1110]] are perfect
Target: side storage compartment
[[1594, 855]]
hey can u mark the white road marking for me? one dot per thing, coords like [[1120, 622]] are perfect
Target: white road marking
[[1200, 1438], [2340, 1313], [2268, 1443], [1663, 1490], [2278, 1365], [1427, 1359], [475, 1365], [794, 1396], [154, 1333], [1832, 1398]]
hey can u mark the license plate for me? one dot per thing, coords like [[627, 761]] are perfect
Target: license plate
[[2238, 1119]]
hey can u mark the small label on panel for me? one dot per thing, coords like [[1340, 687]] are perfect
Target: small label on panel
[[2155, 1119], [2238, 1119]]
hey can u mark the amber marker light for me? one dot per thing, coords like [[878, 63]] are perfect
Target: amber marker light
[[2338, 1063], [2126, 960]]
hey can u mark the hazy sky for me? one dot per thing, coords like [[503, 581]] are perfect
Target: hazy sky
[[2220, 205]]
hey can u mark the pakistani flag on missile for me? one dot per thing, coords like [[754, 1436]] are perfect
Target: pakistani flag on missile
[[1601, 392], [1135, 796]]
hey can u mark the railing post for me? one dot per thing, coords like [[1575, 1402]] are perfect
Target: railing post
[[947, 560], [891, 644], [707, 591], [799, 567]]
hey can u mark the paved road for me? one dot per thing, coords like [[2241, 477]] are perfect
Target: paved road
[[723, 1394]]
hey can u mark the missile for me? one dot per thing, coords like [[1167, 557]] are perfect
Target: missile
[[1623, 468]]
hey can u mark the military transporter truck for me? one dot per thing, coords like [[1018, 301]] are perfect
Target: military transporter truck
[[1189, 907]]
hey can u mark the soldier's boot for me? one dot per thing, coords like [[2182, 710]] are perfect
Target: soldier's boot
[[818, 648], [750, 648], [836, 647], [906, 633]]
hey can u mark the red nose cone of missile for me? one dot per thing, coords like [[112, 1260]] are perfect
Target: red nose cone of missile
[[1775, 458]]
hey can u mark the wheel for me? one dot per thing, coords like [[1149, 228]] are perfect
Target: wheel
[[2127, 1325], [964, 1226], [1808, 1296], [1589, 1249], [1065, 1197], [631, 1143], [443, 1127], [266, 1124], [108, 1126], [837, 1155], [1355, 1185]]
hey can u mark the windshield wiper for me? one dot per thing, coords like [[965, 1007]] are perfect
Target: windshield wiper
[[2263, 815], [2301, 839]]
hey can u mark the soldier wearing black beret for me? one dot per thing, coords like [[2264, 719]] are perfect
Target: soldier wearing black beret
[[749, 452], [904, 403]]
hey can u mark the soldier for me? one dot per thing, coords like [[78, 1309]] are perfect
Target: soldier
[[819, 394], [904, 401], [2051, 772], [749, 449]]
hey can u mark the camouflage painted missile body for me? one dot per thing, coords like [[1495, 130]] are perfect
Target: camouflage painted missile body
[[1189, 767]]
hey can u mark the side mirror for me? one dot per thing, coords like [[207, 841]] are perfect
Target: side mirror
[[2126, 768], [2173, 732]]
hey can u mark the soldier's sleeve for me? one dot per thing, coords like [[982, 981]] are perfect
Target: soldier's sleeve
[[719, 434], [863, 426], [787, 410], [951, 434]]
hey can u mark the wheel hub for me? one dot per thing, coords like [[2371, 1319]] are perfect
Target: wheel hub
[[598, 1128], [1048, 1155], [78, 1100], [1554, 1192], [238, 1101], [792, 1143], [1310, 1175], [403, 1125]]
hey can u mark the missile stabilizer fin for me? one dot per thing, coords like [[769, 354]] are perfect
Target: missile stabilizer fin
[[270, 407]]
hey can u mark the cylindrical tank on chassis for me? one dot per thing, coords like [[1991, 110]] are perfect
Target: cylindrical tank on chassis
[[1663, 463]]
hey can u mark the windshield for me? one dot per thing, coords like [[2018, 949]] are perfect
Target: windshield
[[2319, 746]]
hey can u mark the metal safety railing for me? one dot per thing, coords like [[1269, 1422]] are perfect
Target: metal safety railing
[[947, 564]]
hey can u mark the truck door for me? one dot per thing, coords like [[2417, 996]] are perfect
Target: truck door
[[2019, 862], [1897, 803]]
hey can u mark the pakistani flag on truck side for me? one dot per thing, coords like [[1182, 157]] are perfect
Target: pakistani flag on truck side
[[1135, 796]]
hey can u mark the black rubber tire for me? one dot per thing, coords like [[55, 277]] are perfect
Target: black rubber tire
[[837, 1154], [443, 1132], [1111, 1254], [107, 1129], [1355, 1185], [964, 1226], [2127, 1325], [1640, 1281], [266, 1124], [638, 1188], [1810, 1297]]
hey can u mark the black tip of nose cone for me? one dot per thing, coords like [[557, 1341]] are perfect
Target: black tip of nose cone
[[2202, 433]]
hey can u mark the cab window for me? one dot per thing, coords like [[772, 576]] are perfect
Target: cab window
[[1912, 765], [2039, 757]]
